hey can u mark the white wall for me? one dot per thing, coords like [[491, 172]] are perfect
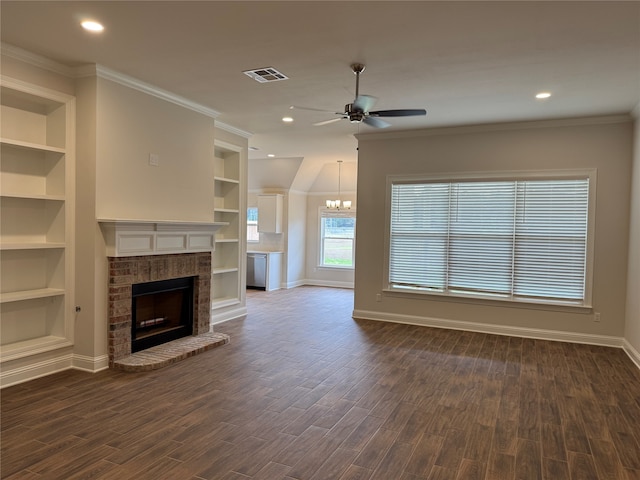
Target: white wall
[[130, 126], [91, 261], [316, 275], [632, 326], [604, 144], [296, 218]]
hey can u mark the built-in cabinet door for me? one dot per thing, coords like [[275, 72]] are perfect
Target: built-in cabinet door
[[270, 213]]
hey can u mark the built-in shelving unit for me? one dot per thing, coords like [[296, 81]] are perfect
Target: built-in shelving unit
[[37, 175], [227, 263]]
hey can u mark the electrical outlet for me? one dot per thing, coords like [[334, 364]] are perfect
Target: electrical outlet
[[596, 317], [378, 297]]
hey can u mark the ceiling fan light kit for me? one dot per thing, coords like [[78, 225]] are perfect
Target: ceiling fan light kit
[[360, 110]]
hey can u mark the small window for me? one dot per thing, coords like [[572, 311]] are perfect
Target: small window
[[252, 225], [337, 239]]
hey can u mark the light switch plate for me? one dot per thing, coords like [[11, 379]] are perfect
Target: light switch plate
[[154, 159]]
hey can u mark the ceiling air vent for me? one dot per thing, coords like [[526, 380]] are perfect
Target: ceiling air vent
[[267, 74]]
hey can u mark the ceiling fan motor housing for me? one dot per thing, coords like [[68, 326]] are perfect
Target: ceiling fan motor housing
[[354, 115]]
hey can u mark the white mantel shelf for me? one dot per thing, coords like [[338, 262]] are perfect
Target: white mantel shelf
[[130, 238]]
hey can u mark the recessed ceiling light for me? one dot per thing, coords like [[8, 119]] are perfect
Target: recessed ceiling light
[[92, 26], [542, 95], [287, 119], [270, 155]]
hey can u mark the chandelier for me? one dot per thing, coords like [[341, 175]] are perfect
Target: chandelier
[[339, 204]]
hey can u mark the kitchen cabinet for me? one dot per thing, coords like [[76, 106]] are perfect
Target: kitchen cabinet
[[270, 213]]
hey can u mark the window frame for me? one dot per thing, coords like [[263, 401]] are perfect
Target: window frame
[[590, 174], [256, 224], [322, 213]]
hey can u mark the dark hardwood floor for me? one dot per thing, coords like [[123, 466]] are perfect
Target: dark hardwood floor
[[305, 392]]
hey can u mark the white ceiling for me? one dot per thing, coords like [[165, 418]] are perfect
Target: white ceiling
[[465, 62]]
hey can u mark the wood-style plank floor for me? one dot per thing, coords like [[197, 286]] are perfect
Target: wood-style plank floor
[[305, 392]]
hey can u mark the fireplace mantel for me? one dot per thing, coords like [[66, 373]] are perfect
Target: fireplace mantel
[[130, 238]]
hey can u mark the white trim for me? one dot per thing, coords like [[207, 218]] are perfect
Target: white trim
[[26, 87], [36, 60], [328, 283], [633, 354], [493, 127], [128, 238], [218, 317], [342, 192], [553, 335], [12, 376], [231, 129], [134, 83], [90, 364]]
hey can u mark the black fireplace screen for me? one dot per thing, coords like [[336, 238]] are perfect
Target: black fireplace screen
[[162, 311]]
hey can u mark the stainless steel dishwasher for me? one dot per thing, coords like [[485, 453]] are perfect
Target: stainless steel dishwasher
[[257, 270]]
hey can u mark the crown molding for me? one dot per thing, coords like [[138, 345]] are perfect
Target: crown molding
[[36, 60], [135, 84], [231, 129], [101, 71], [495, 127]]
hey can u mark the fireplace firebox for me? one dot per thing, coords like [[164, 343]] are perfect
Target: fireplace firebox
[[161, 311]]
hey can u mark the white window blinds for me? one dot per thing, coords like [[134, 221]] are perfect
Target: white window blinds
[[520, 239]]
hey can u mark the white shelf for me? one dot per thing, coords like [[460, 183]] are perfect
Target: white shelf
[[30, 294], [227, 180], [32, 346], [31, 246], [229, 176], [37, 185], [218, 271], [54, 198], [31, 145]]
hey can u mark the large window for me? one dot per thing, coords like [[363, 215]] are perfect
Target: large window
[[517, 239], [337, 238]]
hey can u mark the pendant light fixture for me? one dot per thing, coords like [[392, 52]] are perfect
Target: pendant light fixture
[[339, 204]]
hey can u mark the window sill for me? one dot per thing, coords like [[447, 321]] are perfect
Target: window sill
[[494, 302], [333, 267]]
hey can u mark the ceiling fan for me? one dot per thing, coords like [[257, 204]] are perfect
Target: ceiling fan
[[359, 111]]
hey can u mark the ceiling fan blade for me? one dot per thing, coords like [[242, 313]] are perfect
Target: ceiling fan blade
[[363, 103], [326, 122], [376, 122], [399, 113], [297, 107]]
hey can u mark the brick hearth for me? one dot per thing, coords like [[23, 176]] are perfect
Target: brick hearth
[[126, 271]]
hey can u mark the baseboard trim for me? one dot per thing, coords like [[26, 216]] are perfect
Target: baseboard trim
[[227, 315], [90, 364], [554, 335], [328, 283], [297, 283], [20, 374], [633, 354]]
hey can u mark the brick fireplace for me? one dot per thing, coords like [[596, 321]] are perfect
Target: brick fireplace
[[143, 251], [124, 272]]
